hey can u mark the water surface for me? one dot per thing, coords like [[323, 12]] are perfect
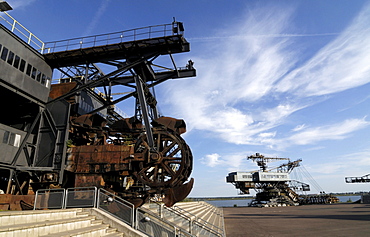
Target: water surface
[[245, 202]]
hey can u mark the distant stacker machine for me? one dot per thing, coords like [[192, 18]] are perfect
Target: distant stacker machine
[[362, 179], [274, 186]]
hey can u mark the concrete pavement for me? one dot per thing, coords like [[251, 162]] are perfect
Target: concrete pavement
[[310, 220]]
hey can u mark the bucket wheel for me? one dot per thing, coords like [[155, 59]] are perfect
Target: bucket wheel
[[168, 165]]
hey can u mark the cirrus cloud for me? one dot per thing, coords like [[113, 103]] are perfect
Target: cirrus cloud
[[254, 84]]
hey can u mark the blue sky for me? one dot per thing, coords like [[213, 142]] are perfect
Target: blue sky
[[282, 78]]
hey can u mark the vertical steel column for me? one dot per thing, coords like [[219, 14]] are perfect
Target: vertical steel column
[[25, 139], [8, 189], [144, 111]]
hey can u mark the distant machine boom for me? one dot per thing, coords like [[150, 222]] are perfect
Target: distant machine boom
[[363, 179]]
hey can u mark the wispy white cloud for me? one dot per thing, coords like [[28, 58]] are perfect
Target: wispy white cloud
[[250, 86], [332, 171], [335, 131], [242, 72], [97, 17], [16, 4], [212, 160], [231, 161], [299, 127], [329, 168], [340, 65], [244, 36]]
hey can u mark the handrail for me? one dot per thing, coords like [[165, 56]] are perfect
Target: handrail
[[206, 224], [142, 33], [209, 229], [199, 221], [50, 192], [110, 198], [159, 220], [216, 211], [23, 32], [196, 219], [115, 196], [94, 191], [93, 198], [102, 199], [175, 208]]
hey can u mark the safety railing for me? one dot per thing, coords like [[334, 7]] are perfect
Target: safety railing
[[190, 222], [116, 206], [183, 220], [198, 226], [154, 225], [149, 32], [22, 32], [92, 197], [50, 199], [218, 212], [80, 197], [65, 198]]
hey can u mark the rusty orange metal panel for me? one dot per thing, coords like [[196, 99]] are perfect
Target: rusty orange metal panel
[[89, 180], [14, 202], [99, 158], [58, 90]]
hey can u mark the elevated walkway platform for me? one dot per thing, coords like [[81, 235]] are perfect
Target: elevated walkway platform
[[130, 44], [126, 50]]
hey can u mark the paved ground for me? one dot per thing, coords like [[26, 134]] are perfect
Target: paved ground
[[311, 220]]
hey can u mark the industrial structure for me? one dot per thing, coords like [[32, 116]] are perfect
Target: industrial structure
[[273, 186], [365, 197], [69, 132], [363, 179]]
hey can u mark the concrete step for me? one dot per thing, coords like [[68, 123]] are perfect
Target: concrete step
[[186, 203], [213, 217], [116, 234], [89, 231], [204, 213], [153, 207], [198, 209], [66, 222], [46, 227], [210, 216], [15, 217], [194, 210]]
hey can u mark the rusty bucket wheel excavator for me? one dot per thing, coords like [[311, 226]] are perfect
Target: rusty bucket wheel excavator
[[168, 165], [78, 136], [159, 161]]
